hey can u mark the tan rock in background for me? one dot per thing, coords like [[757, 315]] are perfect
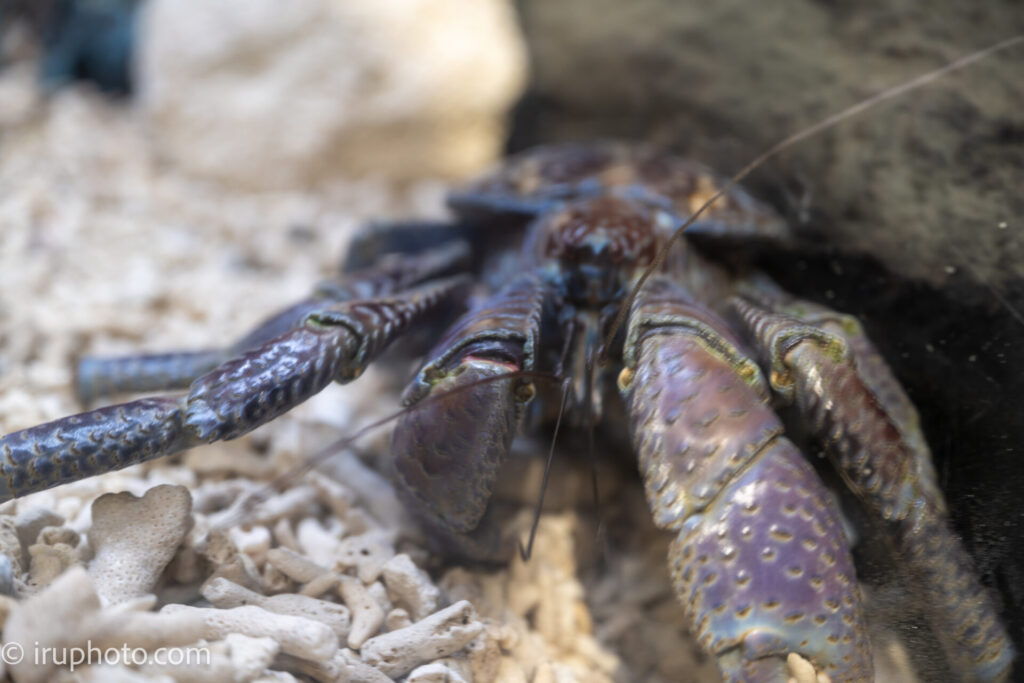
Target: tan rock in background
[[279, 93]]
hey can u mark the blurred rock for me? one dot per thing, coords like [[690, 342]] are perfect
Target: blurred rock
[[19, 98], [278, 93], [88, 40]]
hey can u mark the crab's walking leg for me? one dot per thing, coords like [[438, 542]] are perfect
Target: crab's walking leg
[[822, 361], [97, 377], [334, 343], [449, 450], [404, 237], [760, 560]]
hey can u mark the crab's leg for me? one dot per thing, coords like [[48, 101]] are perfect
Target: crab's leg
[[760, 560], [97, 377], [100, 376], [449, 450], [822, 361], [334, 343], [403, 237]]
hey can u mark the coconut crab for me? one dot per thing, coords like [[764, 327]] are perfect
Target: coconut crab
[[708, 351]]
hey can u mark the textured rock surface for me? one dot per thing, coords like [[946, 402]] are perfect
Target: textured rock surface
[[273, 93]]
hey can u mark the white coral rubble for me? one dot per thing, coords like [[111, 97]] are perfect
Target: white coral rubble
[[363, 612]]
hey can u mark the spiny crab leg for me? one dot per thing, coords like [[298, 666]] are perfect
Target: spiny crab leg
[[822, 361], [760, 561], [335, 343]]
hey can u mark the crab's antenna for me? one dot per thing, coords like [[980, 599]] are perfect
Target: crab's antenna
[[786, 143], [327, 452], [591, 448], [525, 552], [591, 381], [571, 330]]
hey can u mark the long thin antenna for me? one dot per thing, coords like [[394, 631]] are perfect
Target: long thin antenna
[[786, 143], [591, 369], [525, 553]]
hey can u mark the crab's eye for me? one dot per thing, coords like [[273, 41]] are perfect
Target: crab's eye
[[604, 231]]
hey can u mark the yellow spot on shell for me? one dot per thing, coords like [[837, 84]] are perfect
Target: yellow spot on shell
[[704, 190], [625, 379], [781, 379], [525, 392]]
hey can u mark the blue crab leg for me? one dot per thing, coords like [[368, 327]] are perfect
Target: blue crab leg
[[97, 377], [448, 451], [822, 361], [335, 343], [760, 560]]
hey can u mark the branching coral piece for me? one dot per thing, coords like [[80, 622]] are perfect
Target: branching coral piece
[[135, 538]]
